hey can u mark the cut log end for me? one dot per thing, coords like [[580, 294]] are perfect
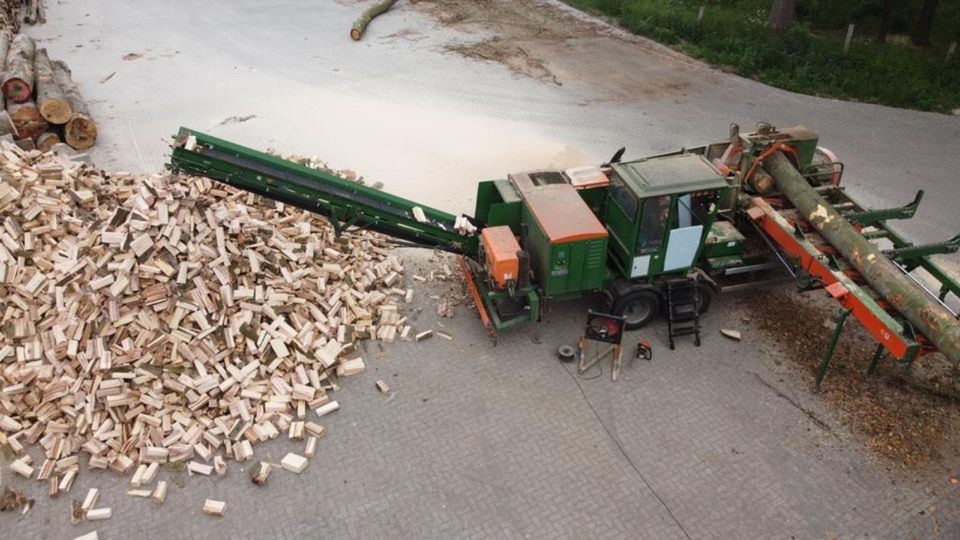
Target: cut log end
[[80, 132], [16, 90], [356, 34], [56, 111]]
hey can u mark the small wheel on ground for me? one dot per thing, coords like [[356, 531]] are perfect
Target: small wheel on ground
[[566, 353], [637, 308]]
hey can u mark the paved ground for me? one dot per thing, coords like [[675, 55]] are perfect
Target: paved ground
[[480, 441]]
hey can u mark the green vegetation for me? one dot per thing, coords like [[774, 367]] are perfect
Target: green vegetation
[[809, 57]]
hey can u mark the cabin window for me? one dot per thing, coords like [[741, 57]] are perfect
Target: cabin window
[[653, 224], [623, 196]]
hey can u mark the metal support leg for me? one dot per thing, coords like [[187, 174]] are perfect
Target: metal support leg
[[841, 319], [875, 363]]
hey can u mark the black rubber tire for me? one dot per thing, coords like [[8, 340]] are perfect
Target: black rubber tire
[[645, 305], [705, 293]]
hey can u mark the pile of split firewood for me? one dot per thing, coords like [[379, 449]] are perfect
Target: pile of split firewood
[[43, 104], [159, 319]]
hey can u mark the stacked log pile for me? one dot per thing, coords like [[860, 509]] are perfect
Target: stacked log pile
[[43, 103], [10, 15], [160, 318]]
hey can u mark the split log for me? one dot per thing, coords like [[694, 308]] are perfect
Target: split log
[[6, 125], [26, 119], [46, 141], [80, 131], [374, 11], [213, 404], [18, 77], [54, 105]]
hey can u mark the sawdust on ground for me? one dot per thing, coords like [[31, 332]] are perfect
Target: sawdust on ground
[[911, 417], [549, 43]]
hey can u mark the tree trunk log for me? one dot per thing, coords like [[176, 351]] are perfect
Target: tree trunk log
[[886, 7], [782, 13], [6, 125], [80, 131], [46, 141], [932, 319], [921, 35], [18, 78], [361, 23], [4, 49], [54, 105], [26, 118]]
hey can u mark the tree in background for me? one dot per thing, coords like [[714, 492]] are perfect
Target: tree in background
[[782, 14], [921, 35], [886, 9]]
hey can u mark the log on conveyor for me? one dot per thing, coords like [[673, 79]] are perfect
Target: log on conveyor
[[80, 131], [360, 25], [51, 100], [926, 314], [18, 77], [26, 119]]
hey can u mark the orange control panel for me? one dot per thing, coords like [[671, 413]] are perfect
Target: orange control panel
[[501, 249]]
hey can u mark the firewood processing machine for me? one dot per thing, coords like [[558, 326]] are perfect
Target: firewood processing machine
[[723, 215]]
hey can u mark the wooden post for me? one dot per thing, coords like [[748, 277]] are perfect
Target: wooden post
[[700, 14], [950, 51], [849, 40]]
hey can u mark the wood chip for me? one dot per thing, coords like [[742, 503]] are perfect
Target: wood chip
[[732, 334], [97, 514], [214, 508], [294, 463]]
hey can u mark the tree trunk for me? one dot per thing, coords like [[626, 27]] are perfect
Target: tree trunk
[[6, 125], [80, 131], [54, 105], [782, 14], [886, 7], [26, 118], [934, 321], [361, 23], [921, 35], [4, 49], [18, 78], [46, 141]]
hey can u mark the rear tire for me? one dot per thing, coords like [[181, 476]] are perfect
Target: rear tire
[[638, 308], [705, 294]]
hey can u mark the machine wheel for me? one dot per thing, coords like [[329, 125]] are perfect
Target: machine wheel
[[637, 308], [705, 293]]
